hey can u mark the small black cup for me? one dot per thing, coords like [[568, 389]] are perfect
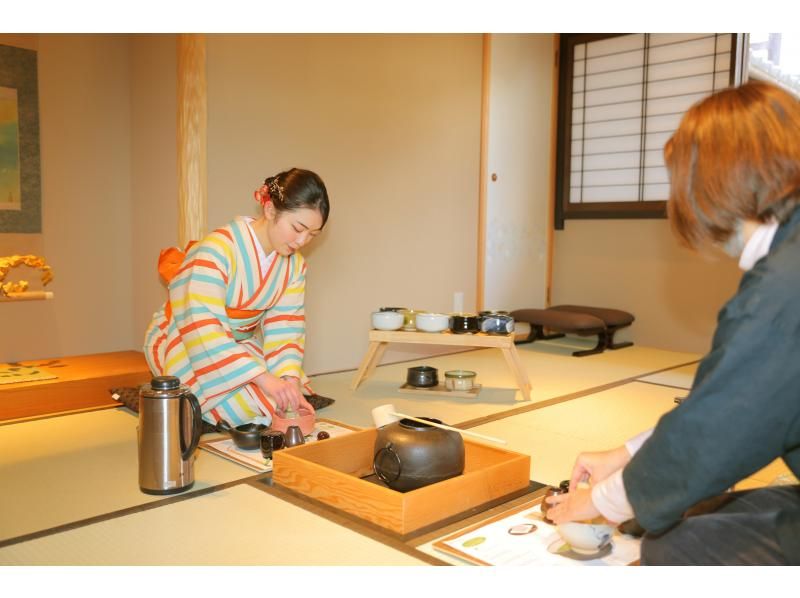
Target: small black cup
[[271, 441], [465, 324], [422, 376]]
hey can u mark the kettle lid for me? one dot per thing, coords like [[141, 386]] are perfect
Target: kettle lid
[[165, 383]]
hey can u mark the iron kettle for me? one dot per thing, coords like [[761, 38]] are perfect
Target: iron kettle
[[170, 422]]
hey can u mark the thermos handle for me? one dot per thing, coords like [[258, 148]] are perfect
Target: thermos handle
[[197, 424]]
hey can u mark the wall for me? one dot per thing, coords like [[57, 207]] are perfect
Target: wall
[[392, 124], [518, 206], [85, 139], [638, 266], [154, 170]]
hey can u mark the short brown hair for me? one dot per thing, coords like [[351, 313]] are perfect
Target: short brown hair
[[735, 155]]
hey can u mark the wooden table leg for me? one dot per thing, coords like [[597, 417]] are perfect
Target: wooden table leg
[[371, 359], [516, 367]]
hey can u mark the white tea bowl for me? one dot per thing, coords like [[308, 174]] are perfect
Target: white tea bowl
[[430, 322], [586, 537], [387, 320]]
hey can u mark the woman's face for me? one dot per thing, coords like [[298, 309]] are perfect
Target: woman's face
[[289, 231]]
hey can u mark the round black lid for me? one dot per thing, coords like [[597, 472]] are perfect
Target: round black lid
[[564, 486], [165, 383]]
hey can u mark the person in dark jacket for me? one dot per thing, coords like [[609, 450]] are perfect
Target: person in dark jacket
[[734, 165]]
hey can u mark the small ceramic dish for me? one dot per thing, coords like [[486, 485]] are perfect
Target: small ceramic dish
[[459, 379], [281, 421], [387, 320], [432, 322]]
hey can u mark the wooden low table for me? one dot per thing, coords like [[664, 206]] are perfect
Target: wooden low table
[[380, 339], [82, 383]]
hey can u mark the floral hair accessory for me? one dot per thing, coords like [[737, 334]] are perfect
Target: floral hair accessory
[[261, 195]]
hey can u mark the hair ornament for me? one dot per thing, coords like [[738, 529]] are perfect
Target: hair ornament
[[275, 190]]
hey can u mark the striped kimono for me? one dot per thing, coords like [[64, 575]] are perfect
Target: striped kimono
[[232, 313]]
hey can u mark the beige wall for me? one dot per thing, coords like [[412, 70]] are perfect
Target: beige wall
[[85, 138], [638, 266], [392, 124], [154, 170]]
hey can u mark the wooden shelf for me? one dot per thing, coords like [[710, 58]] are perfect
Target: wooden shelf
[[26, 296], [380, 339]]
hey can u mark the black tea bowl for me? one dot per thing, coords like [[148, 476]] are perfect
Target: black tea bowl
[[422, 376], [465, 323]]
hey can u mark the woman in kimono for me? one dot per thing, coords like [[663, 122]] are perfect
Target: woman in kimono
[[734, 167], [233, 326]]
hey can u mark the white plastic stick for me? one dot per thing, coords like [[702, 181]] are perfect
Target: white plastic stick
[[444, 427]]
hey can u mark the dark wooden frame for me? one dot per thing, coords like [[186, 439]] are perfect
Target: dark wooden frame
[[601, 210]]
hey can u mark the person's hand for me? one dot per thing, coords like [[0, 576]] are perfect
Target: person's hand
[[596, 467], [284, 391], [575, 505]]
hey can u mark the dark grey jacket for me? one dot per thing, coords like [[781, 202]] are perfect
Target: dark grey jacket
[[744, 409]]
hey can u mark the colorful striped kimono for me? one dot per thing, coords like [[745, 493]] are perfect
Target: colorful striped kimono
[[232, 312]]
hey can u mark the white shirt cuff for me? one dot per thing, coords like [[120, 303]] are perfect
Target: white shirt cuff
[[609, 496], [635, 443], [611, 500]]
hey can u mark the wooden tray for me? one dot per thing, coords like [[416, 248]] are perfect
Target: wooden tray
[[441, 389], [331, 472]]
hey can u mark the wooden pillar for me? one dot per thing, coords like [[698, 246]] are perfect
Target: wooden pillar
[[486, 82], [192, 134]]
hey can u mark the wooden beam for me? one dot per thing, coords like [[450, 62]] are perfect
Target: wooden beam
[[192, 137]]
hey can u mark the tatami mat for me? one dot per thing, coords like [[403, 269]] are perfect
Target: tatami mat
[[682, 377], [552, 370], [240, 525], [64, 469], [554, 436]]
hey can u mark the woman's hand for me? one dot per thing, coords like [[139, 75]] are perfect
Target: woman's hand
[[575, 505], [596, 467], [284, 391]]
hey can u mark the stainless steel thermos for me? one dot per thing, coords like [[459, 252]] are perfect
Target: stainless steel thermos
[[169, 430]]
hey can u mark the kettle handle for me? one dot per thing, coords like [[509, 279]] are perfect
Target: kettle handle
[[382, 476], [197, 424]]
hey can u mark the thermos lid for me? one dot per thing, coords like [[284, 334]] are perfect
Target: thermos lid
[[165, 383]]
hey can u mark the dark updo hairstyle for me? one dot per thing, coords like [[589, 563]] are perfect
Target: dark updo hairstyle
[[296, 189]]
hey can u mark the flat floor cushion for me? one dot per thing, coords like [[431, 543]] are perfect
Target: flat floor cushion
[[615, 318], [564, 321]]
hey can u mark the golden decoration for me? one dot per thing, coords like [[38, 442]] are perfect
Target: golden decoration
[[20, 286]]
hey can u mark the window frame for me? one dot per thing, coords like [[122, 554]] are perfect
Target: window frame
[[565, 210]]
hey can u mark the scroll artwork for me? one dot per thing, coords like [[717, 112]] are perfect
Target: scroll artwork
[[20, 180]]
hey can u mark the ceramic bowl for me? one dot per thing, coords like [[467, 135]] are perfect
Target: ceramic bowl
[[586, 538], [387, 320], [459, 379], [304, 419], [465, 323], [422, 376], [497, 324], [432, 322]]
